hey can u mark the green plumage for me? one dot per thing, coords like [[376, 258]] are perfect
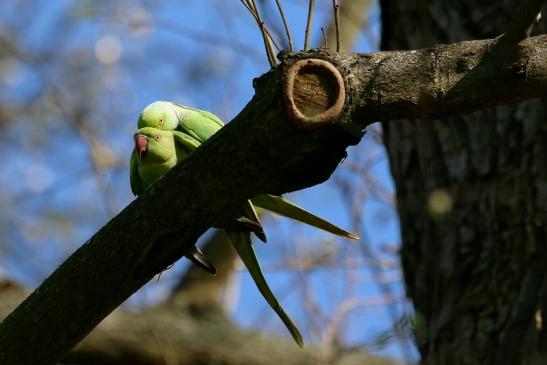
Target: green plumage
[[243, 245], [167, 134], [199, 125]]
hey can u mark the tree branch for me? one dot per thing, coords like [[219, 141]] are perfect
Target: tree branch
[[259, 152], [445, 79]]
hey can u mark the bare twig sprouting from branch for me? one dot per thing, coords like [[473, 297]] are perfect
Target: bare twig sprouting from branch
[[263, 28], [269, 46], [523, 20], [267, 39], [271, 39], [244, 2], [308, 25], [286, 25], [325, 43], [266, 35], [336, 7]]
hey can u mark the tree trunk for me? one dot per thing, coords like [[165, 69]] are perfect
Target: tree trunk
[[472, 198]]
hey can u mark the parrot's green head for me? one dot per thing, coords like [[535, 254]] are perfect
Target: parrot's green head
[[159, 114], [154, 145]]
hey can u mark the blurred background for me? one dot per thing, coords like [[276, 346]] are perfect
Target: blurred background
[[74, 76]]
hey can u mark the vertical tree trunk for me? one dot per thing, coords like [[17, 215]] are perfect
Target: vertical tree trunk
[[472, 199]]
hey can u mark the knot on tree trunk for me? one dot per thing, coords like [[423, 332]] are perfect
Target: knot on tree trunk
[[313, 93]]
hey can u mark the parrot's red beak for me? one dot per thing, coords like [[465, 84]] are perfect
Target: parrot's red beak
[[141, 144]]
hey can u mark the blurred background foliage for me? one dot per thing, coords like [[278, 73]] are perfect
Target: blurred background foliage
[[74, 76]]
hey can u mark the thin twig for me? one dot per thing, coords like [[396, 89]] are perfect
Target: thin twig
[[263, 26], [270, 37], [336, 7], [324, 38], [308, 25], [268, 44], [523, 20], [247, 6], [254, 12], [285, 24], [266, 36]]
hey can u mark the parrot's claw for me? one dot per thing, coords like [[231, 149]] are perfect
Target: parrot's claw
[[198, 258], [254, 227]]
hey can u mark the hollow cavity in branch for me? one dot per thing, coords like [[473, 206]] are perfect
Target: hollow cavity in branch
[[313, 93]]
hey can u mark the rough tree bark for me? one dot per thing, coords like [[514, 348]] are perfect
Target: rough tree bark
[[263, 148], [475, 272]]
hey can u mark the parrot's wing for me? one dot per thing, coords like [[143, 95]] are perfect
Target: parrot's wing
[[200, 124], [186, 140], [242, 243], [137, 185], [198, 258], [285, 207], [212, 117]]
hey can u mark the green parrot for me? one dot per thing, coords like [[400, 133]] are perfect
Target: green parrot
[[164, 149], [200, 125], [156, 152], [168, 116]]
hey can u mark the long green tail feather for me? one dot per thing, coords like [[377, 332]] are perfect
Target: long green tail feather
[[284, 207], [242, 243]]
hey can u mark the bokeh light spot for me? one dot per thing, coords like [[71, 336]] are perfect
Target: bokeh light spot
[[439, 202], [39, 178], [103, 156], [108, 49]]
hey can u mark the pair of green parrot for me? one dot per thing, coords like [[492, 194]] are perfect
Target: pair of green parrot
[[167, 133]]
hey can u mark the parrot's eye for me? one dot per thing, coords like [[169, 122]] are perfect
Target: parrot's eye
[[161, 121], [157, 137]]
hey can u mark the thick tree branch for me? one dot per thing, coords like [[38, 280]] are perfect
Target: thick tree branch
[[445, 79], [259, 152]]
